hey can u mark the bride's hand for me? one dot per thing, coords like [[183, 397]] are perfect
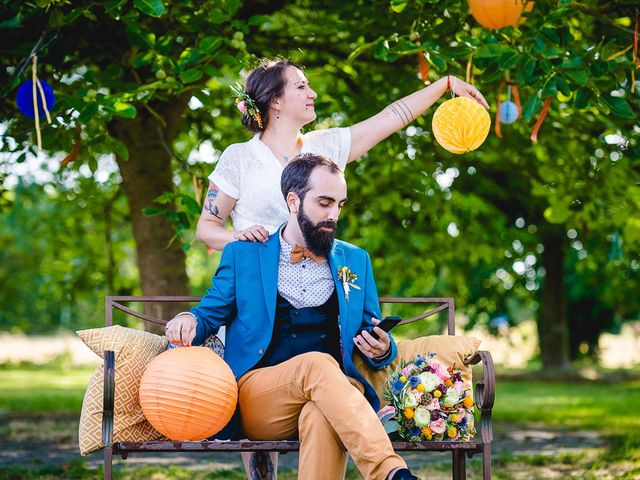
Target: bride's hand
[[255, 233], [464, 89]]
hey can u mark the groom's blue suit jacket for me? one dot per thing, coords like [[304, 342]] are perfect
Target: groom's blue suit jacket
[[243, 297]]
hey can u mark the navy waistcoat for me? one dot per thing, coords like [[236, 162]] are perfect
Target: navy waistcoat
[[302, 330]]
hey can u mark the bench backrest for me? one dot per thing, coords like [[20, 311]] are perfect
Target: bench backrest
[[432, 305]]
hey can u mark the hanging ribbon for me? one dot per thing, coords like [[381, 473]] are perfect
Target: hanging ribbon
[[469, 78], [73, 156], [37, 89], [635, 43], [423, 66], [497, 115], [635, 55], [543, 113]]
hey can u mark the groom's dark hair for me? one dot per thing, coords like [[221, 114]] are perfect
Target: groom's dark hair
[[295, 176]]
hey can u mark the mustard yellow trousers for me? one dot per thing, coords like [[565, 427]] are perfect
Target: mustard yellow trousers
[[308, 397]]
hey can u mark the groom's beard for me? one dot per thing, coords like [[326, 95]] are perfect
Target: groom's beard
[[318, 241]]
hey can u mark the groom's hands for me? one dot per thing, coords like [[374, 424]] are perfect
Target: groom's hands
[[181, 330], [369, 346]]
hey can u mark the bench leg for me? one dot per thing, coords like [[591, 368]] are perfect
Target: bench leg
[[459, 465], [108, 462], [486, 462]]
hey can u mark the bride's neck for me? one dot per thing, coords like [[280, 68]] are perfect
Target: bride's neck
[[283, 137]]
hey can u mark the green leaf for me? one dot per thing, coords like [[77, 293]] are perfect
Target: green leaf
[[526, 69], [599, 68], [88, 112], [10, 23], [56, 19], [153, 8], [619, 106], [166, 197], [188, 56], [258, 20], [217, 18], [552, 52], [191, 75], [551, 34], [119, 148], [192, 206], [491, 51], [153, 211], [212, 71], [531, 107], [550, 88], [582, 98], [558, 213], [209, 45], [508, 60], [632, 230], [572, 62], [578, 77], [124, 109], [226, 59], [399, 5], [381, 51]]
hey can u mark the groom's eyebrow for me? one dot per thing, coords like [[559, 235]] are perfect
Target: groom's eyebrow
[[331, 199]]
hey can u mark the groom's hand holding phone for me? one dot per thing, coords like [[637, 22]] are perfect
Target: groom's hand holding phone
[[374, 341]]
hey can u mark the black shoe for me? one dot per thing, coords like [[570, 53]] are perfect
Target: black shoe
[[404, 474]]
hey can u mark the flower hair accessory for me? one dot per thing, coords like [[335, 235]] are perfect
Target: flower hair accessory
[[247, 105], [347, 278]]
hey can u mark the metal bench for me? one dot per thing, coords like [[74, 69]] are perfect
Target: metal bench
[[484, 394]]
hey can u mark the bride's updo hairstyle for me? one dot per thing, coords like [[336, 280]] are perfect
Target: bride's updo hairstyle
[[264, 84]]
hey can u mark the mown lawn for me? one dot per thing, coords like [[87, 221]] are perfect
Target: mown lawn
[[609, 409]]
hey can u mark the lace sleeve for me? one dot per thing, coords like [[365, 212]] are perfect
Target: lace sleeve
[[226, 175]]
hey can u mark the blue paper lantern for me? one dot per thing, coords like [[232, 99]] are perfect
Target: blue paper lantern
[[509, 112], [24, 99]]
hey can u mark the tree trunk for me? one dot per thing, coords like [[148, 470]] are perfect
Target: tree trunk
[[552, 322], [146, 175]]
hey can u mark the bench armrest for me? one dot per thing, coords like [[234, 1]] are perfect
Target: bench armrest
[[108, 399], [484, 391]]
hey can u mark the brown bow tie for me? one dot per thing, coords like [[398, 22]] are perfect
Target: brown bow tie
[[298, 253]]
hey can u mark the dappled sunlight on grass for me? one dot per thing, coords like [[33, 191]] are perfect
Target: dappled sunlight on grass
[[45, 389]]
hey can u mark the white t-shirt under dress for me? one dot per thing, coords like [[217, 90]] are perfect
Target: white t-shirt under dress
[[250, 173]]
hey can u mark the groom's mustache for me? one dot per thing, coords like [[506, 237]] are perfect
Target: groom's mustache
[[326, 224]]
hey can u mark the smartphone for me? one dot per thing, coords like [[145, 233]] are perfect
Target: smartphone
[[386, 324]]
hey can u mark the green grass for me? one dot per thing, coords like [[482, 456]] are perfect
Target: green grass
[[35, 389], [607, 408], [582, 405]]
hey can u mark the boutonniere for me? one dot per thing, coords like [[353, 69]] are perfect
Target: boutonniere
[[347, 278]]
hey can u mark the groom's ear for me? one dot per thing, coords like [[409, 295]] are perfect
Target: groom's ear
[[293, 202]]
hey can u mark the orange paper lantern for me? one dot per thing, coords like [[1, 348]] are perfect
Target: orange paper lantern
[[188, 393], [460, 125], [497, 14]]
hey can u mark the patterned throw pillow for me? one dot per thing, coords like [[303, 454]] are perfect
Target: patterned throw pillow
[[449, 349], [133, 350]]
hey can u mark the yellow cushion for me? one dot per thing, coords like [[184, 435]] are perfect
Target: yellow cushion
[[133, 351], [449, 349]]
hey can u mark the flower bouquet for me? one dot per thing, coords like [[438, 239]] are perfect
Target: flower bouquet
[[428, 401]]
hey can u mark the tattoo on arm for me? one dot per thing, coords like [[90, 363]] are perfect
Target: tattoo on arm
[[210, 200], [260, 467], [407, 111], [399, 113]]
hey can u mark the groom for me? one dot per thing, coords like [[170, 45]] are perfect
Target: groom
[[294, 308]]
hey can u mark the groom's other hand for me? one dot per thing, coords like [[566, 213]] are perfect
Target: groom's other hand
[[181, 330]]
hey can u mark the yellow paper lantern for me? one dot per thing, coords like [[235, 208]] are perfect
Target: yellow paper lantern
[[497, 14], [460, 125], [188, 393]]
